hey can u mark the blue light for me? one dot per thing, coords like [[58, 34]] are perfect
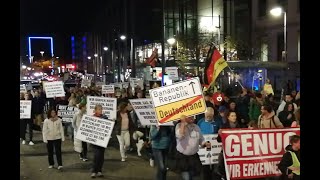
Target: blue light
[[35, 37], [72, 38], [84, 39]]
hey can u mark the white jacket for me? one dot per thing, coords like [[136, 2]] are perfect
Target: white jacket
[[52, 130], [76, 124]]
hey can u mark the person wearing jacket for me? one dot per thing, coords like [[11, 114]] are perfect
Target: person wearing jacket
[[79, 146], [290, 162], [231, 123], [98, 152], [123, 129], [288, 98], [209, 125], [24, 123], [53, 134], [287, 115], [255, 107], [160, 140], [37, 109], [268, 119]]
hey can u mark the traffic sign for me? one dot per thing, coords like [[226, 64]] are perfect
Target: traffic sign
[[182, 98]]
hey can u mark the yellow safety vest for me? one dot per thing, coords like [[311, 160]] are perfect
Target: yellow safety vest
[[295, 162]]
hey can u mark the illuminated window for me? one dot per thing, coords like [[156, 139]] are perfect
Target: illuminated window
[[264, 52]]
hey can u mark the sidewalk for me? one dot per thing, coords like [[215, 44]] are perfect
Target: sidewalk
[[34, 164]]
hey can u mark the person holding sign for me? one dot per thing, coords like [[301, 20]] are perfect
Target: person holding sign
[[25, 123], [189, 137], [98, 157], [79, 146], [123, 127], [53, 134]]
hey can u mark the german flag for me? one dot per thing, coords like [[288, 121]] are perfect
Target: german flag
[[213, 66]]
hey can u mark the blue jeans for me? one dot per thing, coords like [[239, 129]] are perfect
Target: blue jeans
[[160, 160]]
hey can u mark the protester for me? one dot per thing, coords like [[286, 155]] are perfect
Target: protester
[[137, 136], [242, 106], [268, 119], [53, 134], [37, 110], [189, 137], [290, 162], [209, 125], [287, 115], [23, 126], [296, 122], [255, 107], [222, 114], [160, 139], [288, 98], [123, 127], [98, 152], [79, 146]]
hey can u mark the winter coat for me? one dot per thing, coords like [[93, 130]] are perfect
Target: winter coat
[[160, 139], [271, 121], [286, 162], [283, 116], [118, 124], [254, 110]]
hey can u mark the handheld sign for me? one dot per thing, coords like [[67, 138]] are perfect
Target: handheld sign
[[66, 113], [107, 89], [25, 109], [172, 73], [182, 98], [210, 157], [54, 89], [109, 106], [95, 130], [145, 111], [23, 88], [86, 83]]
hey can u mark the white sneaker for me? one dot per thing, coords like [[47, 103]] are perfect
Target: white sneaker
[[50, 167], [99, 174], [151, 162], [31, 143], [23, 142], [60, 167], [123, 159], [93, 175]]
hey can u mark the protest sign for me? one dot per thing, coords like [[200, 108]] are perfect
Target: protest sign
[[109, 106], [66, 113], [255, 153], [54, 89], [107, 89], [25, 109], [86, 83], [172, 73], [210, 156], [23, 88], [182, 98], [95, 130]]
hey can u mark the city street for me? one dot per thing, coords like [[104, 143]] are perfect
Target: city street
[[34, 164]]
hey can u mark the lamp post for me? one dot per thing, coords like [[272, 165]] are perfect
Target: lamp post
[[105, 49], [277, 11]]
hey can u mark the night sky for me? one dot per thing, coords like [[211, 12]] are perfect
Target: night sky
[[61, 18]]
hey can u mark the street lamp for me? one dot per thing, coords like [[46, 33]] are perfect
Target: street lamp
[[24, 67], [89, 57], [105, 48], [42, 52], [171, 41], [277, 11], [123, 37], [95, 55]]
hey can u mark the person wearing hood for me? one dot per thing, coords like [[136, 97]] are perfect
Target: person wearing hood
[[287, 115], [290, 162], [268, 119]]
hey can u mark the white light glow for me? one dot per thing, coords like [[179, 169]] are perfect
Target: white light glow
[[105, 48], [277, 11], [24, 67], [209, 24], [36, 74], [171, 41], [28, 68], [89, 57], [95, 55], [122, 37]]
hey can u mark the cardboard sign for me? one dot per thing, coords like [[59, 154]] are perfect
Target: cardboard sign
[[66, 113], [95, 130], [172, 73], [23, 88], [182, 98], [210, 156], [25, 109], [109, 106], [54, 89], [86, 83], [107, 89]]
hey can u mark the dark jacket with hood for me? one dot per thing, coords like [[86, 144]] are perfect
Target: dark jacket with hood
[[286, 161], [118, 124]]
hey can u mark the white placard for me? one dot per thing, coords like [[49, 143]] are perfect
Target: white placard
[[25, 109], [125, 85], [172, 73], [86, 83], [66, 113], [176, 92], [54, 89], [207, 156], [109, 106], [136, 82], [23, 88], [144, 109], [95, 130], [107, 89]]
